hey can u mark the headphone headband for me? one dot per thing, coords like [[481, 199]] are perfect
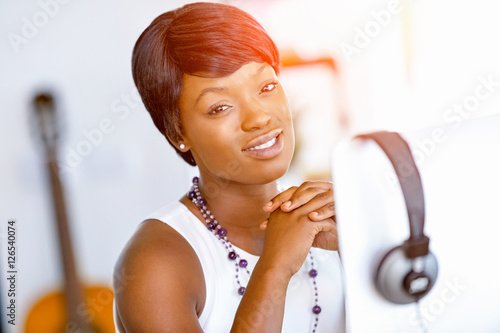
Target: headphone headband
[[398, 152]]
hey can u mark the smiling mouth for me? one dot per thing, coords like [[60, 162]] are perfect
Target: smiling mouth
[[263, 141], [266, 146]]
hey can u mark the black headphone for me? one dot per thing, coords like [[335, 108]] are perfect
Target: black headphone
[[407, 272]]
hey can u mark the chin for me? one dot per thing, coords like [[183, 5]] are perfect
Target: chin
[[270, 171], [271, 177]]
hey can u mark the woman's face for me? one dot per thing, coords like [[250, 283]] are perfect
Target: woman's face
[[238, 127]]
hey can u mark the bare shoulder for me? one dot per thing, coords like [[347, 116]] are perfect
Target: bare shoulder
[[158, 282]]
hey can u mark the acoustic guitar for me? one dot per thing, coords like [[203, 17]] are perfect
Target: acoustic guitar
[[74, 309]]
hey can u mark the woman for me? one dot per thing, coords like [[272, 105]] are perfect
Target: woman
[[234, 254]]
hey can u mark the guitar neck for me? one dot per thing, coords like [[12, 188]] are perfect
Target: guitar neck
[[73, 291], [75, 301]]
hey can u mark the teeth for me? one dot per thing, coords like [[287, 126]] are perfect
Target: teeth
[[264, 145]]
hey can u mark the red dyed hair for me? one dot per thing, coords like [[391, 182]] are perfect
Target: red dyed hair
[[203, 39]]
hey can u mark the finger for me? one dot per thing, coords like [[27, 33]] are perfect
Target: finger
[[305, 192], [263, 225], [315, 204], [295, 197], [301, 197], [278, 200], [327, 211], [327, 225], [327, 240]]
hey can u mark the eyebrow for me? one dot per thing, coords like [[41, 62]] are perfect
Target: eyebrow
[[209, 90], [261, 69], [223, 89]]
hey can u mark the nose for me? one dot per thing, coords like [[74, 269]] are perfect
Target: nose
[[254, 117]]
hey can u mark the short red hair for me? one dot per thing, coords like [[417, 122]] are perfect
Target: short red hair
[[204, 39]]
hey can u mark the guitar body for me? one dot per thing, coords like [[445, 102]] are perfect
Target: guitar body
[[49, 314]]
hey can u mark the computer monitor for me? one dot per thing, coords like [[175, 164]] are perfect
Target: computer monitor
[[459, 166]]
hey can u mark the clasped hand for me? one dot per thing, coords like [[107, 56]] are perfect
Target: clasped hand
[[301, 217], [313, 203]]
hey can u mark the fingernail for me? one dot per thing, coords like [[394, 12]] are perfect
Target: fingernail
[[287, 204], [269, 204], [314, 214]]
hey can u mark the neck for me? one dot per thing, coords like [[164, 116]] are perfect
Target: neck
[[238, 208], [238, 204]]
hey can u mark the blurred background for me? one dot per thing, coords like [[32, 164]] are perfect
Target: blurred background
[[348, 67]]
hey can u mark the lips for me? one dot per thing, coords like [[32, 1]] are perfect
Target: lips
[[266, 146], [261, 141]]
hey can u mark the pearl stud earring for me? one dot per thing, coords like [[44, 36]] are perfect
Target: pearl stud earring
[[182, 146]]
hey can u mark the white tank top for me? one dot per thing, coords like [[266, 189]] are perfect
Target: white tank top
[[222, 298]]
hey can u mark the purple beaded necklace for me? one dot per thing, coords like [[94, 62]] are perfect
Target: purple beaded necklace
[[214, 227]]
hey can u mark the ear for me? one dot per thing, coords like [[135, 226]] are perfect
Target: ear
[[180, 143]]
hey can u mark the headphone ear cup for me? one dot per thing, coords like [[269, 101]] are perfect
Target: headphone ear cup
[[399, 283]]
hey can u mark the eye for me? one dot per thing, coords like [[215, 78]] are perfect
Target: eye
[[269, 87], [218, 108]]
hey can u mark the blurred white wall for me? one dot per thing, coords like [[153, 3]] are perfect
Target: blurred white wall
[[116, 166], [82, 50]]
